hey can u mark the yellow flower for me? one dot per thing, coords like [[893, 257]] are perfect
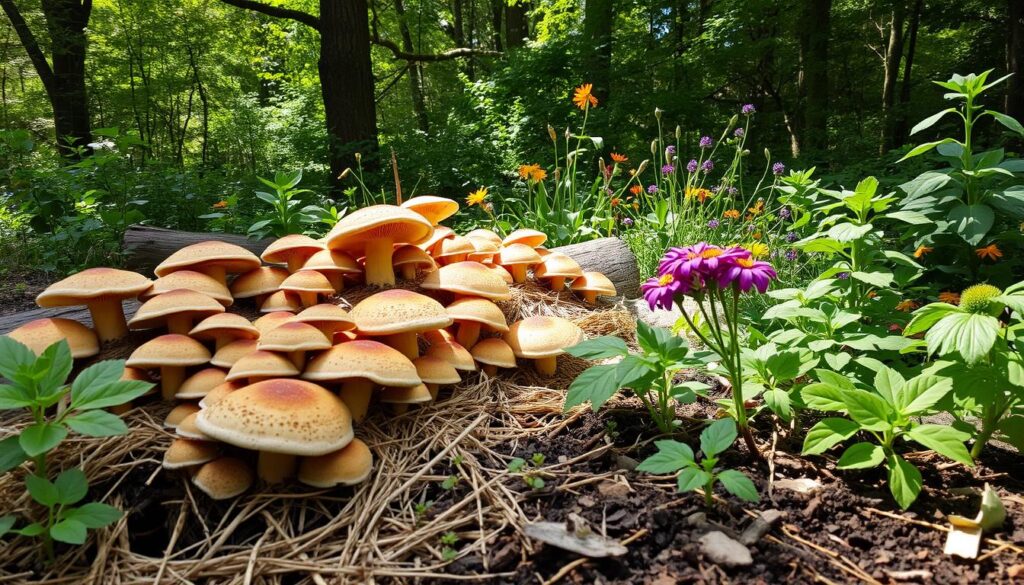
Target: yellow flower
[[991, 252], [477, 197], [949, 297], [907, 306], [732, 214], [619, 158], [538, 174], [700, 193], [759, 249], [921, 251], [758, 207], [583, 97], [220, 204]]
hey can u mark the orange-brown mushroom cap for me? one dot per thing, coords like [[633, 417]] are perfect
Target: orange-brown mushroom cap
[[224, 326], [262, 364], [261, 281], [227, 355], [542, 336], [434, 209], [326, 316], [177, 306], [203, 256], [218, 393], [91, 284], [440, 233], [516, 254], [188, 452], [453, 353], [272, 320], [417, 394], [292, 249], [485, 234], [309, 281], [200, 383], [398, 311], [349, 465], [468, 278], [556, 264], [400, 226], [595, 282], [362, 358], [224, 478], [494, 351], [294, 336], [332, 261], [435, 370], [190, 280], [531, 238], [455, 246], [179, 413], [480, 311], [412, 255], [172, 350], [281, 301], [42, 333]]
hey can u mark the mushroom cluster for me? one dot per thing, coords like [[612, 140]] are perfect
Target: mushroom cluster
[[288, 387]]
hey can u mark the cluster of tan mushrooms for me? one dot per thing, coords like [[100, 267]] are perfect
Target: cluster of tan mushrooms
[[263, 385]]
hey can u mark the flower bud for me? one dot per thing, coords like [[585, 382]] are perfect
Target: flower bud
[[767, 154], [732, 121], [551, 133], [746, 152], [359, 157], [568, 134], [679, 133], [601, 166], [657, 113], [345, 173], [643, 166], [654, 147]]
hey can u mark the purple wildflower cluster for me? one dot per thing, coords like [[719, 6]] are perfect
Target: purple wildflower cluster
[[670, 149], [778, 168], [652, 188], [668, 169], [702, 267], [739, 132], [785, 213], [714, 223], [707, 166], [706, 142], [691, 167], [748, 109]]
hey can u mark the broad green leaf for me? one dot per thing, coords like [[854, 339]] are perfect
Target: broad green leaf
[[828, 433], [56, 363], [927, 316], [867, 409], [911, 217], [848, 232], [877, 278], [71, 486], [14, 357], [671, 456], [97, 423], [717, 437], [904, 481], [972, 222], [971, 335], [1009, 201], [42, 490], [861, 456], [739, 485], [930, 121], [691, 478], [1012, 430], [778, 401], [14, 397], [599, 348], [1009, 121], [41, 437], [70, 531], [945, 441], [784, 365], [94, 514], [655, 339], [923, 148], [889, 383], [11, 454], [105, 395], [834, 379], [6, 523], [922, 393], [824, 397], [824, 245], [595, 385], [32, 530], [635, 372]]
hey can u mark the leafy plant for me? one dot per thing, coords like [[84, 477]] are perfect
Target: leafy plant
[[289, 213], [448, 541], [36, 385], [530, 470], [674, 456]]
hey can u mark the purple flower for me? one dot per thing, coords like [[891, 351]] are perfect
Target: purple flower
[[706, 142], [732, 190], [843, 275], [792, 237], [778, 168], [748, 109], [785, 213], [660, 291], [652, 189], [738, 133], [609, 191], [627, 221], [707, 166], [791, 254], [713, 224], [699, 263], [691, 166], [668, 169], [716, 188], [670, 149], [747, 273], [751, 227]]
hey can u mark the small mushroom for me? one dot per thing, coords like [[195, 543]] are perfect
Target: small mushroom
[[468, 279], [485, 234], [271, 320], [556, 268], [214, 258], [328, 318], [397, 315], [296, 339], [309, 285], [189, 280], [179, 413], [184, 453], [494, 353], [435, 372], [401, 398], [101, 290], [218, 393], [473, 314], [444, 346], [226, 356], [281, 301], [517, 258], [261, 365], [592, 284], [223, 328], [293, 250], [258, 284], [178, 310], [187, 428], [434, 209], [200, 383], [349, 465], [440, 233], [483, 252], [453, 249], [42, 333], [224, 478], [373, 232], [335, 266], [171, 354], [408, 260], [531, 238], [542, 339]]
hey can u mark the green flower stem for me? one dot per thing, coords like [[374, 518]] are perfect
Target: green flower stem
[[709, 493]]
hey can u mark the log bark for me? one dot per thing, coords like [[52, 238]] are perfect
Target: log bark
[[144, 247]]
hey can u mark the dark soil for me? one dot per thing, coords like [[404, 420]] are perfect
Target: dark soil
[[18, 290]]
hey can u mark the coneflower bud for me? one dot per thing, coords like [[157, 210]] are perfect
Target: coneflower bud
[[551, 133], [345, 173], [767, 154], [679, 133], [568, 134], [654, 147], [732, 121], [558, 176], [643, 166], [657, 113], [359, 157]]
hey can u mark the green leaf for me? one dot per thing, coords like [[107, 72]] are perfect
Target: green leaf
[[828, 433], [739, 485], [923, 148], [1012, 429], [691, 478], [94, 514], [11, 454], [970, 334], [1009, 121], [877, 278], [671, 456], [635, 372], [42, 490], [71, 486], [904, 481], [888, 383], [923, 392], [861, 456], [32, 530], [655, 339], [972, 222], [41, 437], [595, 385], [930, 120], [824, 397], [848, 232], [778, 401], [927, 316], [105, 395], [599, 348], [911, 217], [717, 437], [6, 523], [14, 357], [869, 410], [12, 397], [70, 531], [56, 363], [945, 441], [97, 423], [784, 365]]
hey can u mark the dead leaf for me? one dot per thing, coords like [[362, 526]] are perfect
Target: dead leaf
[[576, 538], [802, 485], [613, 489]]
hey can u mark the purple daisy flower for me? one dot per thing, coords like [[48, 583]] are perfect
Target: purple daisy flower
[[747, 273], [792, 237], [778, 168], [739, 132], [627, 221], [732, 190], [785, 213], [843, 275], [660, 291], [713, 224], [706, 142]]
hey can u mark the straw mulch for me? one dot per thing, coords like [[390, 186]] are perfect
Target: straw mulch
[[293, 534]]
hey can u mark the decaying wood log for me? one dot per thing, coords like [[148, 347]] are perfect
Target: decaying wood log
[[611, 257]]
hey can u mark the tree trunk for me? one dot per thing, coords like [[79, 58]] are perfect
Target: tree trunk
[[419, 106], [893, 57], [1014, 56], [346, 79], [497, 10], [598, 18], [458, 32], [900, 130], [812, 128], [517, 28]]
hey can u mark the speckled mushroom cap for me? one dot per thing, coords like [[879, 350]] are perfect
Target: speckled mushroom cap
[[226, 356], [494, 352], [280, 416], [231, 258], [480, 311], [188, 452], [200, 383], [483, 250], [594, 281], [271, 320], [182, 302], [169, 350], [42, 333], [409, 254], [261, 364], [224, 324], [349, 465], [556, 264], [417, 394], [440, 233], [327, 313], [485, 234], [514, 254], [468, 278], [187, 428], [531, 238], [332, 261], [398, 311], [453, 353], [189, 280], [307, 281], [453, 246], [281, 301], [179, 413], [401, 226], [502, 273], [218, 393], [93, 283], [363, 358], [542, 336], [284, 247], [294, 336], [434, 370], [224, 478], [434, 209], [261, 281]]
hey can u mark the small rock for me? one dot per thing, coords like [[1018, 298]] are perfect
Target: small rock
[[802, 485], [626, 463], [562, 459], [883, 558], [722, 550], [760, 526], [586, 501], [613, 489]]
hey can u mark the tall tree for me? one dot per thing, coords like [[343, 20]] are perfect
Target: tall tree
[[815, 29], [517, 27], [419, 105], [901, 130], [891, 65], [64, 80], [1015, 59], [598, 19]]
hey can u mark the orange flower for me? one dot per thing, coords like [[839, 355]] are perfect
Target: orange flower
[[921, 251], [757, 235], [615, 201], [526, 170], [907, 306], [949, 297], [538, 174], [732, 214], [700, 193], [619, 158], [636, 189], [991, 252], [758, 207], [220, 204], [583, 98]]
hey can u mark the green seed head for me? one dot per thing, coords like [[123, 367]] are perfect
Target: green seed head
[[978, 299]]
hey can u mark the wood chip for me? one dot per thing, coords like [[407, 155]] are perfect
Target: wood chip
[[912, 575], [576, 537]]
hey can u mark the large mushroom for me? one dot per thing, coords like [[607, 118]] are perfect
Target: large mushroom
[[349, 465], [398, 315], [179, 413], [531, 238], [542, 339], [218, 393], [473, 314], [434, 209], [177, 310], [293, 250], [223, 328], [556, 268], [592, 284], [171, 354], [296, 339], [281, 419], [373, 232], [214, 258], [308, 285], [258, 284], [440, 233], [42, 333], [190, 280], [483, 252], [101, 290], [334, 265], [471, 279]]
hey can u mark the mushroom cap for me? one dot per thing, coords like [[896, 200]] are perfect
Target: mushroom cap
[[179, 413], [224, 325], [494, 351], [281, 416], [188, 452], [417, 394], [42, 333], [189, 280], [231, 257], [434, 209], [226, 356], [531, 238], [483, 250], [326, 313], [502, 273], [453, 353], [349, 465], [218, 393], [187, 428], [401, 226], [485, 234], [169, 350], [453, 246], [363, 358], [543, 251], [157, 310], [441, 232], [261, 364], [557, 264], [271, 320], [398, 311], [542, 336], [134, 374], [412, 255], [307, 281], [468, 278], [480, 311], [281, 301], [200, 383], [294, 336], [332, 261], [93, 283], [513, 254], [594, 281], [284, 247], [224, 478], [434, 370], [261, 281]]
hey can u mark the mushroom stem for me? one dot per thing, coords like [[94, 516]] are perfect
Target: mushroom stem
[[108, 318], [408, 271], [218, 273], [356, 396], [307, 298], [490, 370], [378, 262], [546, 365], [557, 283], [171, 378], [298, 358], [180, 324], [334, 277], [260, 299], [432, 388], [275, 467], [590, 297], [469, 334], [295, 262], [399, 408], [518, 272], [405, 343]]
